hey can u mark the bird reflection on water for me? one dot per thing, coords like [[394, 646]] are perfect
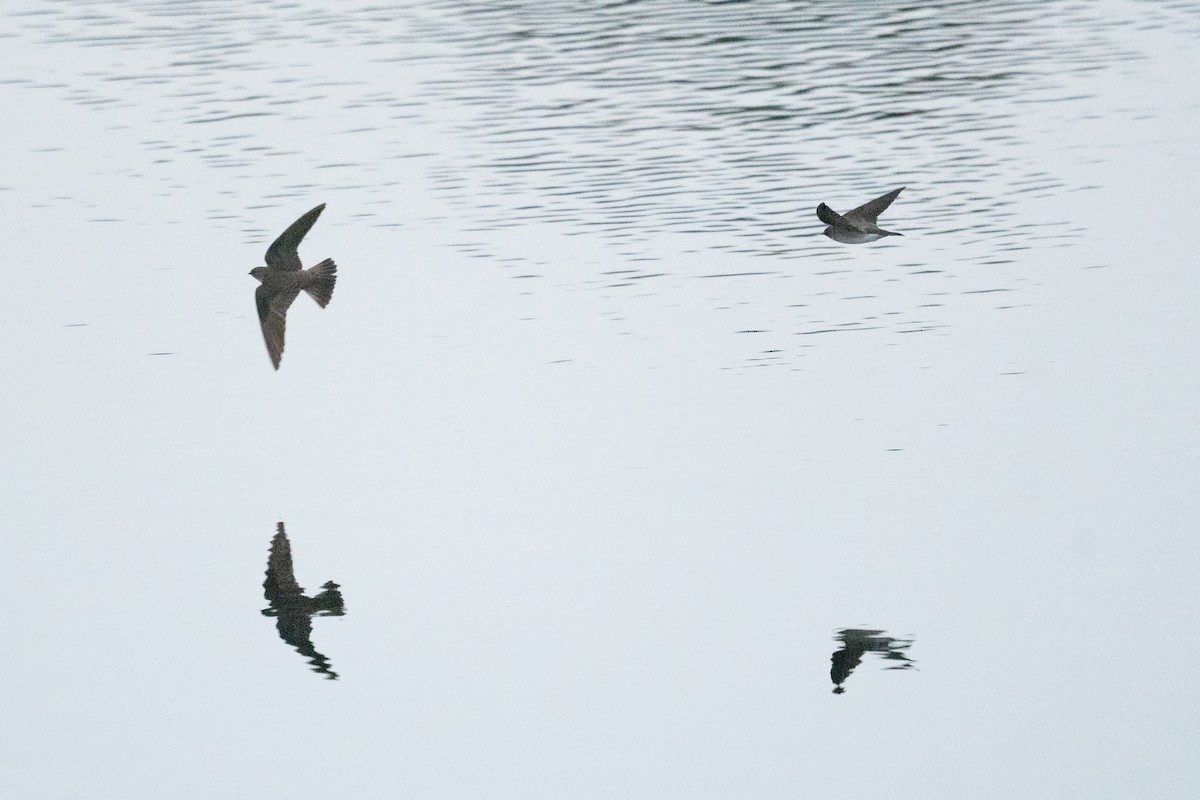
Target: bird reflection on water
[[292, 609], [855, 643]]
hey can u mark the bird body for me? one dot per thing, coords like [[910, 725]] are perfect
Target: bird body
[[283, 278], [858, 226]]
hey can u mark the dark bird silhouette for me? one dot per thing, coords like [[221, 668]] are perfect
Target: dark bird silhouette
[[858, 226], [293, 611], [284, 277], [855, 643]]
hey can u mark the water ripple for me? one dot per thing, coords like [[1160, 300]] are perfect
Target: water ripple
[[707, 119], [656, 128]]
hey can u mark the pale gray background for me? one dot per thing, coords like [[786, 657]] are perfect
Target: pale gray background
[[601, 438]]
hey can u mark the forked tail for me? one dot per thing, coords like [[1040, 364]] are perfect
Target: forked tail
[[322, 277]]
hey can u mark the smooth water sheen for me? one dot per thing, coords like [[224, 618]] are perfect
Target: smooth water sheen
[[632, 484]]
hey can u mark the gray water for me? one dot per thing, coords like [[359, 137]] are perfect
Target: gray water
[[621, 467]]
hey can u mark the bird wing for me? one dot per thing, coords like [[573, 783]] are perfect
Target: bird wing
[[869, 212], [282, 254], [831, 217], [295, 628], [272, 315], [281, 578]]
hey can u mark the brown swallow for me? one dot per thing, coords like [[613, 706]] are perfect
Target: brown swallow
[[858, 226], [283, 278]]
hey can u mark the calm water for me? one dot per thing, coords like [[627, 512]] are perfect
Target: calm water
[[604, 474]]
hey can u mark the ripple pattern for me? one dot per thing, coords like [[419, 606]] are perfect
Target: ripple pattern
[[658, 128]]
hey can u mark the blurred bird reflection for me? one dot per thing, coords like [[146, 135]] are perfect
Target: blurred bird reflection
[[856, 642], [293, 611]]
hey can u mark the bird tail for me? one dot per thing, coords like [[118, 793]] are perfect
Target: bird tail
[[321, 279]]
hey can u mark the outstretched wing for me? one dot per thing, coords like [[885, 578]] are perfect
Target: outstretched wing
[[272, 315], [831, 217], [870, 211], [283, 252], [281, 578]]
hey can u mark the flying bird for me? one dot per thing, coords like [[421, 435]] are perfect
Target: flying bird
[[858, 226], [284, 277]]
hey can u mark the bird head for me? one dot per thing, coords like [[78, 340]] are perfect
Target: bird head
[[260, 273]]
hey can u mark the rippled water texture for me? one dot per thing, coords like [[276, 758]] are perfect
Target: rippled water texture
[[719, 124]]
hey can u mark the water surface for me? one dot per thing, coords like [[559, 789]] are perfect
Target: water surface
[[614, 459]]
